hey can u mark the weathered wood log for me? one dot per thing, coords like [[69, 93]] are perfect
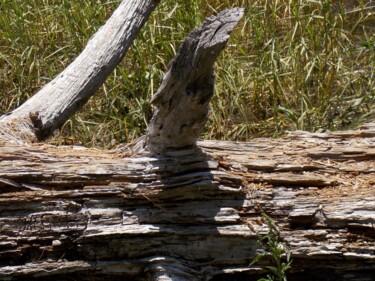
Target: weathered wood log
[[194, 214], [177, 211], [47, 110]]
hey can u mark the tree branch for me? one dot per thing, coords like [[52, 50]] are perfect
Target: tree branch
[[47, 110], [182, 100]]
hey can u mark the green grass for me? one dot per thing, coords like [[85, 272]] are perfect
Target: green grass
[[277, 252], [297, 64]]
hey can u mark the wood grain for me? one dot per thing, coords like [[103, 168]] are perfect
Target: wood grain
[[181, 102], [72, 211], [57, 101]]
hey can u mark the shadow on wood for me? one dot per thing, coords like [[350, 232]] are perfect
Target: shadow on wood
[[168, 208]]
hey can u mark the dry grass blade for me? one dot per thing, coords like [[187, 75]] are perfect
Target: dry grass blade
[[290, 65]]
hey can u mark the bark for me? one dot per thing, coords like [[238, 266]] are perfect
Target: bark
[[189, 214], [47, 110]]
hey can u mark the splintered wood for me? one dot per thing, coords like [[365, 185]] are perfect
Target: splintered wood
[[163, 208], [197, 212]]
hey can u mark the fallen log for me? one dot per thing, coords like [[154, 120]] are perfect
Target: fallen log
[[73, 212], [168, 208]]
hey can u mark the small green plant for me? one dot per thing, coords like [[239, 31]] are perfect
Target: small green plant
[[279, 252]]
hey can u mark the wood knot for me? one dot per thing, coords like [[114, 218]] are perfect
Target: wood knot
[[35, 119]]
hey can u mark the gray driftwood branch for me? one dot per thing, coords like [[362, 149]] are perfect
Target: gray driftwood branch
[[182, 100], [47, 110]]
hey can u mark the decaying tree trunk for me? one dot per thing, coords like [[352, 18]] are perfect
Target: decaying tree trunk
[[85, 214], [167, 208]]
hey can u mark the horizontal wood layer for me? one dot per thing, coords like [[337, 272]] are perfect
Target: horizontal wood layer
[[195, 212]]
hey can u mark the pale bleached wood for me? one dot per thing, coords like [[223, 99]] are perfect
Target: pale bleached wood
[[76, 212], [186, 212], [47, 110], [182, 100]]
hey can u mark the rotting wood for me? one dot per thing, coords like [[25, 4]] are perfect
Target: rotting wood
[[46, 111], [182, 100], [187, 212], [92, 213]]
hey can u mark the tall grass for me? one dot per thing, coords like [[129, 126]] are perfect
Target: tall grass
[[291, 64]]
